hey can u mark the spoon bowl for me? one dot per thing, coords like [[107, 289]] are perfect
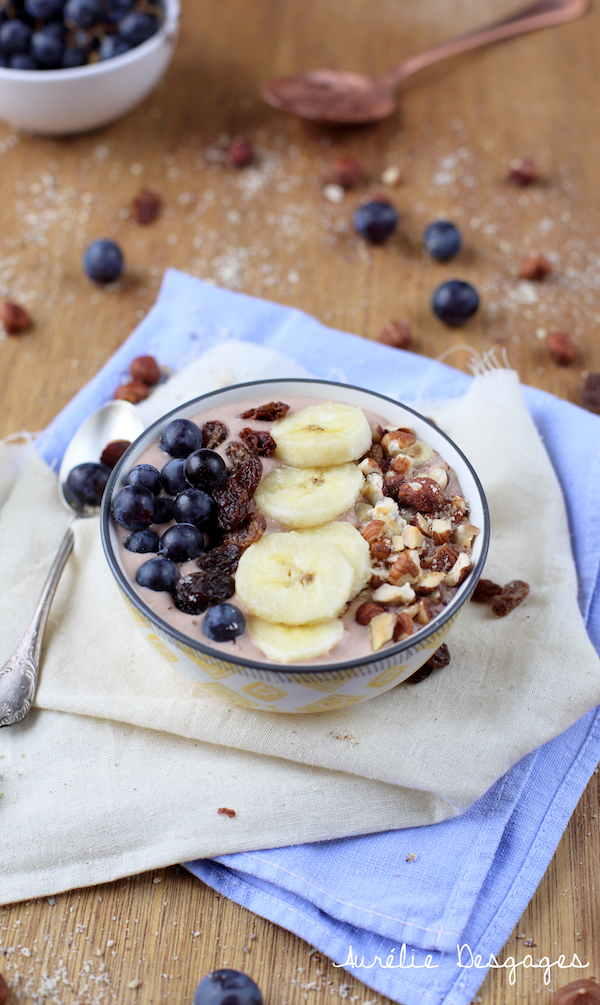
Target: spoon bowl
[[341, 98], [117, 420]]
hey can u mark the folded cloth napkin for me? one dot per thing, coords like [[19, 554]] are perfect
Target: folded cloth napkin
[[314, 890]]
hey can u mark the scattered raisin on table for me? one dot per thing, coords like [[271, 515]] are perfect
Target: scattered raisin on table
[[486, 590], [258, 441], [233, 504], [266, 413], [194, 593], [512, 595], [438, 661], [213, 433]]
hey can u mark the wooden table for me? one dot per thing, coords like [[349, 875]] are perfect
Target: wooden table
[[270, 231]]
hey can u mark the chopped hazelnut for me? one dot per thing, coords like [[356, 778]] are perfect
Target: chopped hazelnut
[[145, 206], [396, 334], [523, 172], [134, 391], [14, 317], [535, 267], [240, 152], [561, 348], [347, 172]]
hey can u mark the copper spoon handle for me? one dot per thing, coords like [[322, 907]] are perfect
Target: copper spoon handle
[[542, 14]]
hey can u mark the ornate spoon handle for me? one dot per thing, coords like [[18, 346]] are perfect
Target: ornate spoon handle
[[18, 676]]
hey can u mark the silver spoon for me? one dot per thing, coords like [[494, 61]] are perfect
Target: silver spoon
[[117, 420], [342, 98]]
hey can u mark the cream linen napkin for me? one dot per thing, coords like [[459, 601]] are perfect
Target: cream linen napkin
[[147, 796]]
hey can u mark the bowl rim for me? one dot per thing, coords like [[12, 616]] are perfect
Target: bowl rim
[[166, 33], [285, 668]]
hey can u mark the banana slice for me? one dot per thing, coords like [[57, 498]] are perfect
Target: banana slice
[[353, 545], [307, 497], [285, 644], [322, 435], [293, 579]]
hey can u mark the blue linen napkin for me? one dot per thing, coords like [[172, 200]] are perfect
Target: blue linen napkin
[[359, 900]]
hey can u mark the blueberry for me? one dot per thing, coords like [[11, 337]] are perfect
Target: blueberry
[[22, 62], [103, 261], [74, 57], [86, 483], [47, 49], [84, 13], [222, 623], [195, 506], [182, 542], [145, 475], [158, 574], [164, 510], [142, 542], [137, 28], [4, 61], [227, 987], [115, 10], [180, 437], [57, 29], [44, 10], [442, 240], [206, 468], [376, 221], [112, 46], [455, 302], [15, 37], [173, 476], [134, 507]]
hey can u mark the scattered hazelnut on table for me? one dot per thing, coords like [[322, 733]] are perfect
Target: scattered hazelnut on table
[[535, 267], [146, 370], [14, 317], [392, 176], [523, 171], [240, 152], [113, 451], [589, 393], [561, 348], [347, 172], [3, 990], [582, 992], [146, 206], [223, 811], [134, 391], [397, 334]]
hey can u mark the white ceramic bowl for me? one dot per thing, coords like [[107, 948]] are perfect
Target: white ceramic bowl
[[59, 102], [295, 687]]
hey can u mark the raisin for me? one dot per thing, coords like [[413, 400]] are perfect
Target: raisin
[[249, 474], [485, 590], [440, 659], [194, 593], [213, 433], [233, 504], [512, 595], [258, 441], [267, 413], [237, 454], [224, 557], [249, 533]]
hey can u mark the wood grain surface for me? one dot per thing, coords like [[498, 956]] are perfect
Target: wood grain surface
[[268, 230]]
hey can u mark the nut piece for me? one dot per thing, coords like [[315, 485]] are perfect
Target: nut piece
[[423, 493], [113, 450], [397, 440], [421, 611], [367, 611], [401, 464], [394, 594], [404, 627], [223, 811], [486, 590], [523, 172], [406, 568], [512, 595], [373, 530], [423, 524], [441, 531], [465, 534], [430, 581], [347, 172], [145, 206], [589, 393], [561, 347], [459, 570], [145, 369], [134, 391], [240, 152], [412, 537], [535, 267], [14, 318], [382, 630], [396, 334], [439, 475], [444, 558], [585, 991]]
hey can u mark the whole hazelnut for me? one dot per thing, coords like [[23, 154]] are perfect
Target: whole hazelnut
[[134, 391], [582, 992], [397, 334], [145, 206], [113, 451], [561, 348], [240, 152], [14, 317], [535, 267], [523, 172], [145, 369], [347, 172]]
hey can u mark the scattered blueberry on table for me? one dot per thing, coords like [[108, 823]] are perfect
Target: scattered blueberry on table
[[376, 221], [442, 240], [227, 987], [103, 261], [454, 302]]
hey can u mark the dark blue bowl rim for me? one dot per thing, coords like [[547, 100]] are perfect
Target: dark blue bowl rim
[[296, 668]]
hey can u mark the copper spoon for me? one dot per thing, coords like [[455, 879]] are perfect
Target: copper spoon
[[343, 98]]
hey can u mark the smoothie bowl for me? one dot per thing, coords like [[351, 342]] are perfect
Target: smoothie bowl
[[295, 545]]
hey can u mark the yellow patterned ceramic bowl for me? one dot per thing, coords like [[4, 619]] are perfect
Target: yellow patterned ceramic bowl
[[296, 687]]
